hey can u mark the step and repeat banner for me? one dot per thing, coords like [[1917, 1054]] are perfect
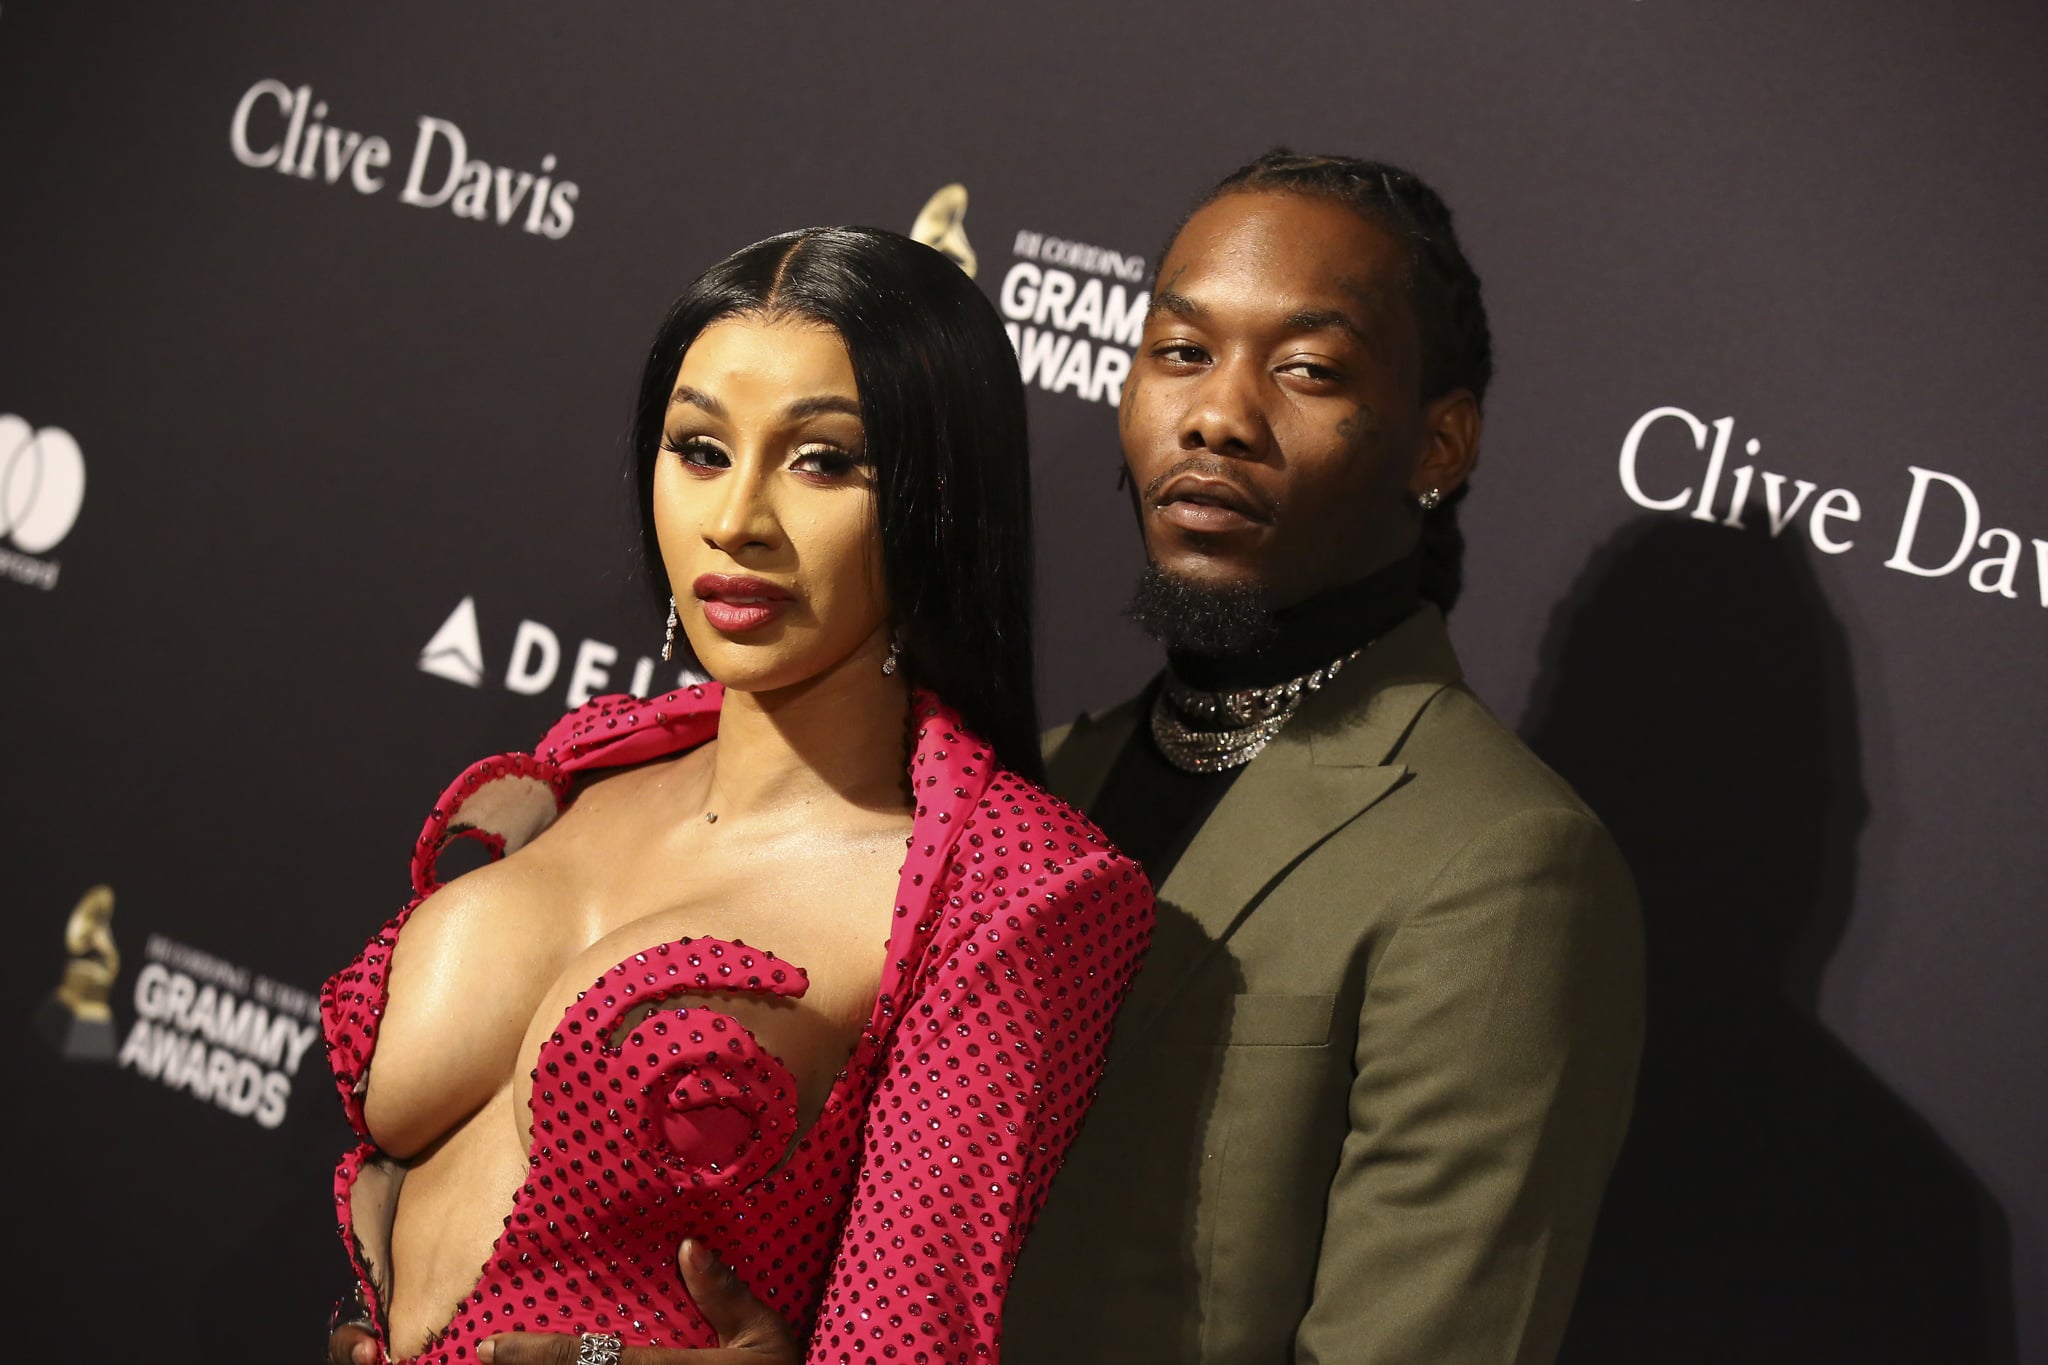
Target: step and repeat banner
[[322, 326]]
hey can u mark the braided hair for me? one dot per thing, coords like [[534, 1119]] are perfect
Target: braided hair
[[1442, 287]]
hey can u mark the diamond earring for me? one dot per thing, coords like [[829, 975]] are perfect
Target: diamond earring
[[1430, 499], [668, 641], [889, 664]]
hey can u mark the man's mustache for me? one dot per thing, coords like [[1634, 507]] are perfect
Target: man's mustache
[[1211, 467]]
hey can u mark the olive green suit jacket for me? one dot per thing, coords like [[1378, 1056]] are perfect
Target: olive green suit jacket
[[1364, 1097]]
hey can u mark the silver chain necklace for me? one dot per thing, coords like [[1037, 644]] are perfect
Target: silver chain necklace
[[1249, 717]]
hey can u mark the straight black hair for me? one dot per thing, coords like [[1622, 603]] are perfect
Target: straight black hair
[[1442, 288], [942, 408]]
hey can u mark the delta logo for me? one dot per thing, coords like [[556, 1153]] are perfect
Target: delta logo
[[455, 653]]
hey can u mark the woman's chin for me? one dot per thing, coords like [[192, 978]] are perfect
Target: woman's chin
[[747, 679], [757, 671], [749, 665], [764, 676]]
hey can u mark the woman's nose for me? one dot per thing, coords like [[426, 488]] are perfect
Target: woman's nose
[[744, 517]]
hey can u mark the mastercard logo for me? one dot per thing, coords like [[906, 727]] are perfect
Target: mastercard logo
[[42, 484]]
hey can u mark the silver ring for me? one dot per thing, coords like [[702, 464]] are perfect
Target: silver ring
[[598, 1348]]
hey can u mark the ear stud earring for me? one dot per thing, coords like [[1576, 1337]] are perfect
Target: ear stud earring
[[1430, 499]]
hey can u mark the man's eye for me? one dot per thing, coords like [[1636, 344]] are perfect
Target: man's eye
[[698, 453], [1180, 353], [1309, 369]]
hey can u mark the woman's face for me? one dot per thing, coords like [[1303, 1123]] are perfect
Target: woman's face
[[764, 506]]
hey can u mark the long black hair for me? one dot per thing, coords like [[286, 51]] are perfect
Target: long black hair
[[1442, 289], [943, 411]]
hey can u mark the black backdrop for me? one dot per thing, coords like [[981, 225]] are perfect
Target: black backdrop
[[269, 432]]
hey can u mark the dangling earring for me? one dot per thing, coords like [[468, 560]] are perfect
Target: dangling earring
[[668, 641], [1429, 499], [889, 664]]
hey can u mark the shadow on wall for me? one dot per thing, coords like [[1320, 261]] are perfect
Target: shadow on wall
[[1774, 1201]]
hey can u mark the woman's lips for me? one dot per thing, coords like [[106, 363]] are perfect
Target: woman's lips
[[733, 617], [733, 603]]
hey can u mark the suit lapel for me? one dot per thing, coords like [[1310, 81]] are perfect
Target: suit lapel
[[1280, 808], [1078, 758], [1325, 768]]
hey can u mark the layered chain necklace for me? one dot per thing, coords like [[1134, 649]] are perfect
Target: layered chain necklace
[[1213, 732]]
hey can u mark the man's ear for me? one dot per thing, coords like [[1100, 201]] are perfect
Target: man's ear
[[1451, 426]]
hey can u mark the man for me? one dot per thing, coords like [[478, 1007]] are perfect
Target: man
[[1365, 1095], [1363, 1100]]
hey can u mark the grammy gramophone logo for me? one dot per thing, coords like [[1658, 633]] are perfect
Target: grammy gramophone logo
[[77, 1018], [941, 226]]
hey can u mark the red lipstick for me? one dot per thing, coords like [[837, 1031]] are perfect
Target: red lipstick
[[735, 602]]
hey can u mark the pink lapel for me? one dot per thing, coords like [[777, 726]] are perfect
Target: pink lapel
[[613, 731], [506, 800], [950, 768]]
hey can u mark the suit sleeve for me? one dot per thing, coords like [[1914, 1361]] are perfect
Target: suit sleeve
[[993, 1063], [1498, 1041]]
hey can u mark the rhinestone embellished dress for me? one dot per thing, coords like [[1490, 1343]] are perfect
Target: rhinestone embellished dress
[[891, 1231]]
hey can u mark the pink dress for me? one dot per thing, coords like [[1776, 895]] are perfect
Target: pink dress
[[891, 1231]]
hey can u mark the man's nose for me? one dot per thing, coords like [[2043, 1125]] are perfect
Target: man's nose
[[1226, 416]]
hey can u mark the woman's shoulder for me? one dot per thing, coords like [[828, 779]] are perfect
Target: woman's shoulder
[[968, 797], [1035, 857], [1016, 802], [1037, 922]]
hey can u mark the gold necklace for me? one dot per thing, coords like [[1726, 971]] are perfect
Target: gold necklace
[[1250, 717]]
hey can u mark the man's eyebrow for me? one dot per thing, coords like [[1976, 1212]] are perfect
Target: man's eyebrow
[[827, 402], [1301, 320], [1323, 319], [685, 394], [1180, 305]]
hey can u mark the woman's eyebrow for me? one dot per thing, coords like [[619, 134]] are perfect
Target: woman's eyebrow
[[685, 394], [795, 411], [825, 402]]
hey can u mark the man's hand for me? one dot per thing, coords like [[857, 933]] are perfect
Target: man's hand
[[352, 1346], [749, 1331]]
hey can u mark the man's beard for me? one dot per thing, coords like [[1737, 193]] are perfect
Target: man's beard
[[1196, 618]]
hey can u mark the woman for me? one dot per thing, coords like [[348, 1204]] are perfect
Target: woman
[[853, 973]]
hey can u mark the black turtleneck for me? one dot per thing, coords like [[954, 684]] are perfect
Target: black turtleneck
[[1151, 809]]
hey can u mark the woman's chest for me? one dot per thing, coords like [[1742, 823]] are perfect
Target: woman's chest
[[789, 944]]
